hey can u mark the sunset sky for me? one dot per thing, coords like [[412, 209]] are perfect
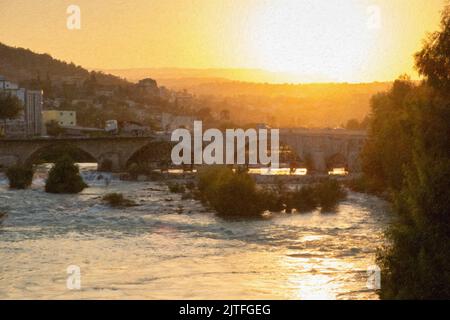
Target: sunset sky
[[316, 40]]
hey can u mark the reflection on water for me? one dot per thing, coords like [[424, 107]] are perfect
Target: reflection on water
[[154, 252], [278, 171], [338, 172]]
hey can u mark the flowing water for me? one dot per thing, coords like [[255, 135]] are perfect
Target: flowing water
[[168, 248]]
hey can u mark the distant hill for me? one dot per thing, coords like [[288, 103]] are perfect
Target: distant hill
[[284, 104], [171, 75], [317, 91], [309, 104], [19, 64], [253, 82]]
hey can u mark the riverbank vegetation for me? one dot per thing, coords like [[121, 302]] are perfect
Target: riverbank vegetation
[[20, 177], [64, 177], [232, 193], [408, 156], [363, 184]]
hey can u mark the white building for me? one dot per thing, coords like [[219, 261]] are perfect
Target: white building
[[12, 88], [7, 85], [62, 117], [34, 100]]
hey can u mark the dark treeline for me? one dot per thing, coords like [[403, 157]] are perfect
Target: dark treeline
[[408, 157]]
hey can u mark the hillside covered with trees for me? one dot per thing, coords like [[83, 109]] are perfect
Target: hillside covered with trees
[[19, 64]]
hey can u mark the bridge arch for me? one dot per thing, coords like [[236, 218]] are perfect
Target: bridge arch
[[151, 153], [52, 151], [289, 154], [337, 160]]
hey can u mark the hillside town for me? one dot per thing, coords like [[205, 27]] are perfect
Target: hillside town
[[76, 106]]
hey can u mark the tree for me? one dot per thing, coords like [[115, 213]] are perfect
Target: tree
[[64, 177], [410, 131], [354, 124], [389, 146], [20, 177], [433, 60], [9, 106]]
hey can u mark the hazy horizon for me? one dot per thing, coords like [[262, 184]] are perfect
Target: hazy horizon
[[250, 75]]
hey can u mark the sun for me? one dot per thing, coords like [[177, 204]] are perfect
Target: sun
[[323, 40]]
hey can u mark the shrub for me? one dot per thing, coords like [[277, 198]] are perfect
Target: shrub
[[64, 177], [270, 200], [229, 193], [235, 194], [118, 200], [303, 199], [20, 177], [329, 193]]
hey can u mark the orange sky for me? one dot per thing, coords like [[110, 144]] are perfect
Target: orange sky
[[317, 40]]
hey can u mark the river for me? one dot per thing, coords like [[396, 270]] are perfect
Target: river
[[168, 248]]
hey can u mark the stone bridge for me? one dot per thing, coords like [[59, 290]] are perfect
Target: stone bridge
[[324, 148], [118, 150]]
